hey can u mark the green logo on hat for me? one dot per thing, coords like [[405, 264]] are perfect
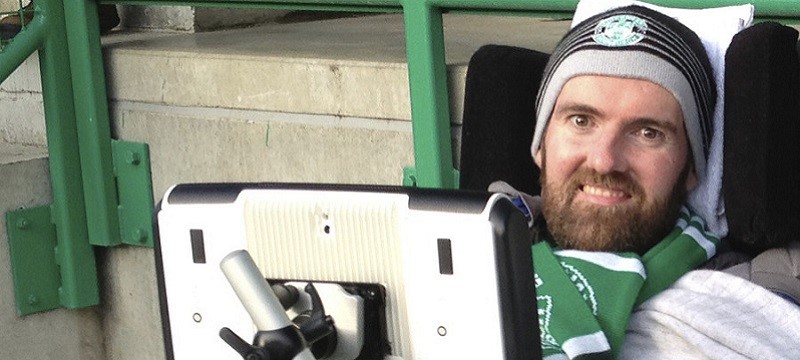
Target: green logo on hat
[[620, 30]]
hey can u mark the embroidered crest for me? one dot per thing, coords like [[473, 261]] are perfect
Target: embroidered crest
[[620, 30]]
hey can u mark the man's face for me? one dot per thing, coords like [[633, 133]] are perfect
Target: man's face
[[615, 164]]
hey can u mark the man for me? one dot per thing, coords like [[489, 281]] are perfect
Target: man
[[624, 122]]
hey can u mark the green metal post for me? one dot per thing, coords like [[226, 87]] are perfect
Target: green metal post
[[427, 76], [74, 254], [91, 115]]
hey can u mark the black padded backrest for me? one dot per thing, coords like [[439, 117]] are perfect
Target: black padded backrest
[[499, 108], [762, 133], [762, 137]]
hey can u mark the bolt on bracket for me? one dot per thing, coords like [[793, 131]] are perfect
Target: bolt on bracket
[[32, 246]]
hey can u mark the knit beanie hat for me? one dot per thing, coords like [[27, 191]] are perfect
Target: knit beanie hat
[[639, 43]]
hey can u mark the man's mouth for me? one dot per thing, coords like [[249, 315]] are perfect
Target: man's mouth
[[603, 196]]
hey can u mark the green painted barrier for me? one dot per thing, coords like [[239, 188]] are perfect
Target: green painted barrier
[[74, 270]]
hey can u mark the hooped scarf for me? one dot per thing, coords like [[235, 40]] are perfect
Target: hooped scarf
[[586, 298]]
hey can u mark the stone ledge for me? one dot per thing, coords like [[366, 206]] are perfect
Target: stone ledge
[[16, 153], [345, 67]]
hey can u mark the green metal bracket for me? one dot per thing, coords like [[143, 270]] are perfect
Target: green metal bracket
[[32, 246], [135, 192], [53, 262], [33, 242]]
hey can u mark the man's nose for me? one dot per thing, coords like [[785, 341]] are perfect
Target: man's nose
[[607, 154]]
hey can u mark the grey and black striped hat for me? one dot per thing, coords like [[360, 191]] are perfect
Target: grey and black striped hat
[[636, 42]]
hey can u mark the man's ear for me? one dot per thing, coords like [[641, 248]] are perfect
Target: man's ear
[[537, 157]]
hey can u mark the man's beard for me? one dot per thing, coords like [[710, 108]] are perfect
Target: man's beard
[[636, 226]]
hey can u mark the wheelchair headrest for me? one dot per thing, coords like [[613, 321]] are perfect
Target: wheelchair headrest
[[762, 127]]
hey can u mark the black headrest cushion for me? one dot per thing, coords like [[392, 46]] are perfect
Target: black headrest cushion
[[499, 118], [761, 177]]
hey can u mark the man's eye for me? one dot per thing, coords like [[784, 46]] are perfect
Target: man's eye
[[580, 121], [651, 134]]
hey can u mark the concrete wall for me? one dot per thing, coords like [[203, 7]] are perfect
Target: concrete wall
[[305, 102], [203, 145], [22, 115], [194, 144]]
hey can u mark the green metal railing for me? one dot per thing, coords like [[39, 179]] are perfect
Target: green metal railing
[[33, 232], [102, 194], [51, 247]]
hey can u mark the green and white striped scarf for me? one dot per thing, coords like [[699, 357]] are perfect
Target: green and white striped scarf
[[586, 298]]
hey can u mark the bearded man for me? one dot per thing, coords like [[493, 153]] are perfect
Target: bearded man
[[623, 129]]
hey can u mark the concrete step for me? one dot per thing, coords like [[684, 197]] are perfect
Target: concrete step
[[55, 334], [345, 67]]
